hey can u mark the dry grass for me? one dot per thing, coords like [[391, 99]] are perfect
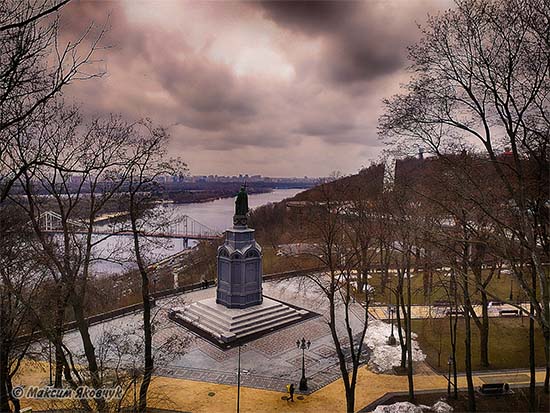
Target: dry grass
[[508, 343]]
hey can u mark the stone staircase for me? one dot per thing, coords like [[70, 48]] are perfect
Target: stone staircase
[[229, 324]]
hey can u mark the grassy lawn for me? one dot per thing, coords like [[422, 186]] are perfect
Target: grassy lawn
[[508, 343], [500, 287]]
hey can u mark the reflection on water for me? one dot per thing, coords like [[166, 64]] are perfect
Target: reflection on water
[[117, 254]]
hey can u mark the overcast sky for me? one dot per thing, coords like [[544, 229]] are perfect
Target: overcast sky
[[272, 88]]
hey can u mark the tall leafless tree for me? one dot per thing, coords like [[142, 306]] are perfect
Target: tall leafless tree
[[34, 68], [335, 225], [149, 163], [481, 74]]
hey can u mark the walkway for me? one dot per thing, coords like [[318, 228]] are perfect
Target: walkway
[[426, 311], [194, 396]]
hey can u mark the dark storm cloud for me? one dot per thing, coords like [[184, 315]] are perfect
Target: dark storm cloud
[[309, 16], [359, 42], [209, 90]]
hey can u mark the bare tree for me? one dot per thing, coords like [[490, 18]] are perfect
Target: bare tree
[[481, 74], [149, 164], [19, 280], [34, 68], [87, 166], [335, 225]]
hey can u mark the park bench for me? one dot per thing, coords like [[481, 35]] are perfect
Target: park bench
[[494, 389], [450, 312], [509, 313]]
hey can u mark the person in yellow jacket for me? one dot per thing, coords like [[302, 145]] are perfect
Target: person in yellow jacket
[[290, 389]]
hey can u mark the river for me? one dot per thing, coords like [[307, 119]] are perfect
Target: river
[[216, 215]]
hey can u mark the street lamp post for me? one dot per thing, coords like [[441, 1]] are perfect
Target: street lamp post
[[239, 382], [303, 345], [391, 339]]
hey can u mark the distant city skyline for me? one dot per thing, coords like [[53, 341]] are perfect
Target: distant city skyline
[[278, 88], [253, 176]]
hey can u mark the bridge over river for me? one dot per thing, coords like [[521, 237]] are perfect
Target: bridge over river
[[184, 227]]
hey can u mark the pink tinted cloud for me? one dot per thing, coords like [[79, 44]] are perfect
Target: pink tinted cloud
[[283, 88]]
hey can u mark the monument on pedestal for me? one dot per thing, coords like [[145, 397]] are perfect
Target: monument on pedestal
[[239, 312], [239, 262]]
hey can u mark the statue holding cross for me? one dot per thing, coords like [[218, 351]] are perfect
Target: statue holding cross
[[241, 203], [241, 207]]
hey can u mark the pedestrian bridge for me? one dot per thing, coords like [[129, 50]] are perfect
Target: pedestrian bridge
[[183, 227]]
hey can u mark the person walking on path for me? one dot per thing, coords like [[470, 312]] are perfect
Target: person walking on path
[[291, 392]]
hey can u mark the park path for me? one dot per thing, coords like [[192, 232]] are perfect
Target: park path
[[196, 396], [426, 311]]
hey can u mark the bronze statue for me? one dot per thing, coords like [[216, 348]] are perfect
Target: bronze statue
[[241, 203]]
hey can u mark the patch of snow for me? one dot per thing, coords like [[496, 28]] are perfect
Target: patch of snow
[[407, 407], [370, 288], [383, 356], [400, 407], [441, 407]]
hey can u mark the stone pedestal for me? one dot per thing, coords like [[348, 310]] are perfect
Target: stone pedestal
[[226, 325], [239, 269], [239, 313]]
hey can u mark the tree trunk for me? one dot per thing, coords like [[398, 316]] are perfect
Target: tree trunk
[[58, 366], [349, 391], [383, 270], [400, 308], [532, 370], [58, 332], [466, 312], [546, 334], [89, 349], [455, 368], [147, 329], [409, 338], [16, 403], [144, 388], [532, 361], [350, 400], [453, 323], [484, 330], [544, 317], [4, 373], [468, 346], [468, 355], [402, 340]]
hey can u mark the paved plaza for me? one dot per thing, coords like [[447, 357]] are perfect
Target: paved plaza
[[270, 362]]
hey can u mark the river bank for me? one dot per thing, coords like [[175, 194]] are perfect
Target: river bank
[[200, 196]]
